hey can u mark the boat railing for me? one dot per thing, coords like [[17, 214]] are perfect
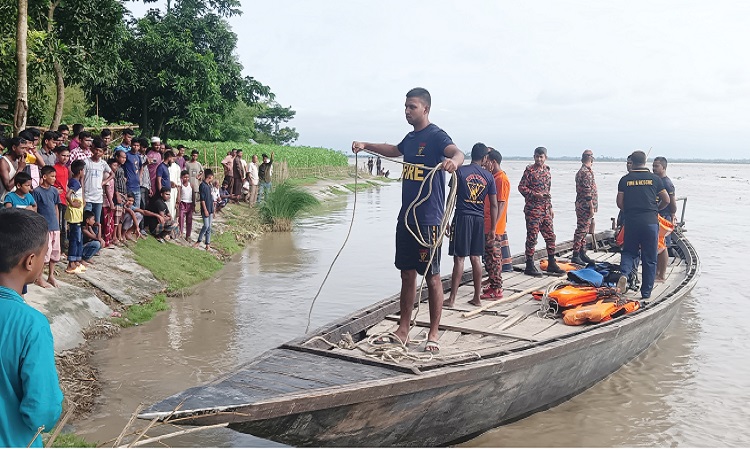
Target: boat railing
[[681, 223]]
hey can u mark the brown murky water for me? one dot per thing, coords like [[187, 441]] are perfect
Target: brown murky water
[[689, 389]]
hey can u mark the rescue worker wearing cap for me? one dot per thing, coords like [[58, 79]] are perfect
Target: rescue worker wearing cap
[[587, 203], [535, 187]]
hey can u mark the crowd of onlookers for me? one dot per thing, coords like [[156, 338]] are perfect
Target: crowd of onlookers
[[94, 194]]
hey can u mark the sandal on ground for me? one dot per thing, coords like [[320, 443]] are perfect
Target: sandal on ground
[[432, 347]]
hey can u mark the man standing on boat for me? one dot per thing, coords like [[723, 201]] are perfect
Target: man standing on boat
[[637, 195], [475, 184], [535, 187], [587, 203], [669, 212], [497, 257], [424, 148]]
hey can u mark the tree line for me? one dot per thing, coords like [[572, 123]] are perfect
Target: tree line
[[174, 73]]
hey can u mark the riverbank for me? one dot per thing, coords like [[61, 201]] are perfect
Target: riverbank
[[129, 285]]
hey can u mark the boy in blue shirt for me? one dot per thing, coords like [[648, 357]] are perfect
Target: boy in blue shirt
[[47, 198], [30, 395], [206, 206], [21, 197]]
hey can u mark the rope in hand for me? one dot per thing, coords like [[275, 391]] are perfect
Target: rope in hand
[[433, 246]]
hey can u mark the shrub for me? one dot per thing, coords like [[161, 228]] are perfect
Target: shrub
[[284, 204]]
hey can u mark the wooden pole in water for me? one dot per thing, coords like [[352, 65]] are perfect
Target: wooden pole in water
[[178, 433], [512, 297]]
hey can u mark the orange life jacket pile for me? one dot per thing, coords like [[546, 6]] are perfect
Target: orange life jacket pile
[[582, 304]]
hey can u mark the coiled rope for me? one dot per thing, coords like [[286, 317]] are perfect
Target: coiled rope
[[396, 350]]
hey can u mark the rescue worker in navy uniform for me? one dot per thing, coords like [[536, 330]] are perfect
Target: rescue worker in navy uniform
[[637, 194], [424, 148], [535, 187], [587, 203]]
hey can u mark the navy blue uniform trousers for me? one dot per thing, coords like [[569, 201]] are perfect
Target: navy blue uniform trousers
[[641, 237]]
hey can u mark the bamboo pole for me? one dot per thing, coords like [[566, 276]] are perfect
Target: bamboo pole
[[127, 427], [216, 161], [178, 433], [489, 305], [60, 426], [151, 424], [38, 432]]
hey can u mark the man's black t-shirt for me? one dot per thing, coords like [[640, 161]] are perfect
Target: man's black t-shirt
[[640, 190], [157, 206]]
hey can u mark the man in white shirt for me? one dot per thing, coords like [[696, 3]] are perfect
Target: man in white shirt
[[97, 173], [252, 173]]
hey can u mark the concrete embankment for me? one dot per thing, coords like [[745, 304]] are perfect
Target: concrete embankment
[[114, 281]]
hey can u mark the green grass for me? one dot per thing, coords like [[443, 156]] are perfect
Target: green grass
[[140, 313], [298, 156], [180, 267], [284, 204], [306, 181], [361, 186], [226, 242], [69, 440]]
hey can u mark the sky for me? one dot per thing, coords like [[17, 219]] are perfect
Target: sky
[[671, 76]]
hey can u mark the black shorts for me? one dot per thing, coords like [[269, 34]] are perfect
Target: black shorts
[[412, 256], [467, 236]]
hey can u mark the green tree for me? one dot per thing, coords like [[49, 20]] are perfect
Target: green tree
[[179, 72], [69, 41], [268, 121]]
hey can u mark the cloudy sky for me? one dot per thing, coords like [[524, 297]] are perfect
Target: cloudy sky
[[568, 75]]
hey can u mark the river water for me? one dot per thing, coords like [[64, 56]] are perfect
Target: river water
[[689, 389]]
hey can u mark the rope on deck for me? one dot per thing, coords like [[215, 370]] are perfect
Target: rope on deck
[[394, 350]]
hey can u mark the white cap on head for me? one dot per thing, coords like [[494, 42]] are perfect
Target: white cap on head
[[155, 140]]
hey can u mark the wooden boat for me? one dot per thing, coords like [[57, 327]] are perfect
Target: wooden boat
[[496, 366]]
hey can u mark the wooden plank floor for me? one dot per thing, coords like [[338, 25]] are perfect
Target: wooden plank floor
[[505, 325]]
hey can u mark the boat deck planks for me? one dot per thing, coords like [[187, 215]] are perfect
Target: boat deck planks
[[279, 372], [504, 326]]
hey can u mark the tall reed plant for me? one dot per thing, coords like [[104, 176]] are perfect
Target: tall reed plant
[[284, 204]]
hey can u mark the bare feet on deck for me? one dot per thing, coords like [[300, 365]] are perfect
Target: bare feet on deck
[[475, 301], [448, 304]]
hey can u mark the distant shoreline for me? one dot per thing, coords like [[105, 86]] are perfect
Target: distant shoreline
[[610, 159]]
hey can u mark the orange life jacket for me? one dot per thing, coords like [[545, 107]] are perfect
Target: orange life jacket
[[598, 312], [567, 267], [665, 229], [568, 296]]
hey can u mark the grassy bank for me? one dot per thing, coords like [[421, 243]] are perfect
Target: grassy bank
[[69, 440], [179, 266]]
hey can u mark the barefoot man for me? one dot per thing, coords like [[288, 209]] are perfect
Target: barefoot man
[[424, 148], [467, 230]]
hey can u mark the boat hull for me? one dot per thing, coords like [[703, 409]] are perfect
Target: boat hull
[[322, 398], [512, 388]]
